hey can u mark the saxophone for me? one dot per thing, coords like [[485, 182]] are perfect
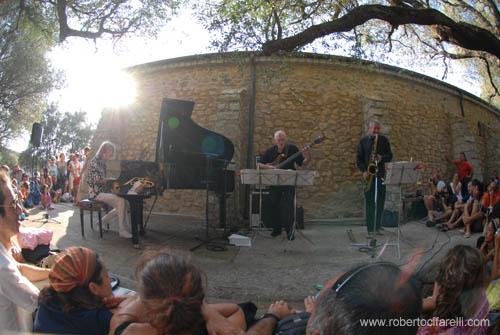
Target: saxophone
[[372, 165]]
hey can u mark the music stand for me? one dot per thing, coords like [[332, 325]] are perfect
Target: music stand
[[210, 179], [398, 174]]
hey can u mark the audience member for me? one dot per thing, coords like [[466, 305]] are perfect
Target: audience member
[[62, 171], [465, 171], [440, 204], [458, 210], [73, 301], [377, 291], [473, 216], [491, 197], [17, 173], [74, 168], [97, 188], [493, 290], [34, 190], [46, 179], [456, 186], [24, 189], [46, 198], [52, 169], [171, 299], [486, 243], [459, 292], [18, 296]]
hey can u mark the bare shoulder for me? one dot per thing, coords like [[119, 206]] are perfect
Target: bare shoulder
[[140, 329]]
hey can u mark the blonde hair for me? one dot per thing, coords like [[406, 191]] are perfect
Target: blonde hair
[[106, 145]]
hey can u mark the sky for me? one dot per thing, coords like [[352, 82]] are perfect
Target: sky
[[94, 80]]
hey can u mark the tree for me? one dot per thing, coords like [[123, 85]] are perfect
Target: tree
[[93, 19], [29, 28], [442, 30], [62, 132], [25, 76], [8, 157]]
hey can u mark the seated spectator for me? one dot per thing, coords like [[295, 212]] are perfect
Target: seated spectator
[[46, 179], [17, 173], [456, 186], [34, 190], [376, 291], [46, 198], [491, 197], [170, 299], [18, 296], [473, 217], [486, 243], [19, 196], [25, 195], [493, 290], [458, 210], [73, 301], [440, 204], [459, 292]]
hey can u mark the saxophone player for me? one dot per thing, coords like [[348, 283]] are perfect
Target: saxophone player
[[374, 150]]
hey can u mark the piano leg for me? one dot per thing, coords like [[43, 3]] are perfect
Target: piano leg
[[135, 221]]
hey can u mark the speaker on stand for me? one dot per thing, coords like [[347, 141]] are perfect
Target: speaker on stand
[[35, 140]]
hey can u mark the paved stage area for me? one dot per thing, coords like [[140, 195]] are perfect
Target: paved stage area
[[271, 269]]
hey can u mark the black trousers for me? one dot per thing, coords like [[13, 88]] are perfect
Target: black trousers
[[281, 206]]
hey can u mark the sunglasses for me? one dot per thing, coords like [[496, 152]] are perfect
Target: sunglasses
[[345, 278]]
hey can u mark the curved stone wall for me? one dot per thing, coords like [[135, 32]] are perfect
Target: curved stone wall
[[247, 97]]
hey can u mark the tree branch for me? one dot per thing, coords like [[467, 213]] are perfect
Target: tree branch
[[459, 33], [65, 31]]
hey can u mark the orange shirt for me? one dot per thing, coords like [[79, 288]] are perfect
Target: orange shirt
[[490, 201]]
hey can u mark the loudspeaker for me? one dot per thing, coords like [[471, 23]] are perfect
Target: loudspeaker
[[390, 218], [36, 134]]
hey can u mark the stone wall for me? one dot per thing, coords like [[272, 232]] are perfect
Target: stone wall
[[306, 95]]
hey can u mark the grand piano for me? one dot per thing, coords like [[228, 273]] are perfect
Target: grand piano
[[188, 156]]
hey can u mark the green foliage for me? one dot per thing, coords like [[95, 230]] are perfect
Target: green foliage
[[8, 157], [247, 25], [25, 74], [62, 132], [29, 28]]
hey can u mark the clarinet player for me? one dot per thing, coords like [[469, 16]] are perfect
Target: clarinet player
[[374, 150]]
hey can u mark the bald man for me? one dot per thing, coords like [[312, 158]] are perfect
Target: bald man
[[282, 197]]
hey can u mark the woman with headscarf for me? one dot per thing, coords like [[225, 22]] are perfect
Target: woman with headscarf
[[73, 301]]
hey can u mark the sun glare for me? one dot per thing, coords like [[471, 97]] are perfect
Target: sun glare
[[117, 89]]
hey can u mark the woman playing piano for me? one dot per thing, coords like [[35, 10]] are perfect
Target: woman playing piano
[[97, 190]]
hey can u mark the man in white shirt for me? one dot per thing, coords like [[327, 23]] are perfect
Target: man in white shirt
[[18, 296]]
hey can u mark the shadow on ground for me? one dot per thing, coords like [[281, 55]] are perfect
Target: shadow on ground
[[271, 269]]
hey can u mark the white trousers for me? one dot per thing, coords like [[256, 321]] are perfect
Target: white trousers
[[119, 210]]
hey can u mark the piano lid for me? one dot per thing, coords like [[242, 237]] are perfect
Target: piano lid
[[181, 139], [194, 154]]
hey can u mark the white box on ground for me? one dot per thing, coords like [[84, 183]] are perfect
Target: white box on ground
[[255, 220], [240, 240]]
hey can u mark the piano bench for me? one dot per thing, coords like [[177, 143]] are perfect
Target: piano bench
[[92, 206]]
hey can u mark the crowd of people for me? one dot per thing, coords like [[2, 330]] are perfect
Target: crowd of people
[[58, 181], [374, 298]]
